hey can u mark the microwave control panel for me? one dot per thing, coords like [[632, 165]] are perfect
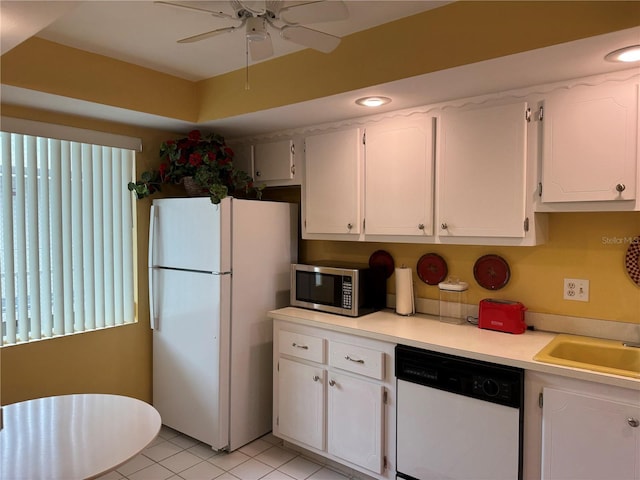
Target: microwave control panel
[[347, 293]]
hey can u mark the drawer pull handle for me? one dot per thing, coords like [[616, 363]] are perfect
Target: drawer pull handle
[[347, 357], [303, 347], [634, 422], [316, 378]]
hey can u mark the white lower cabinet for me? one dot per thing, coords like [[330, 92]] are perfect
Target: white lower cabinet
[[355, 415], [302, 402], [334, 395], [588, 437], [579, 430]]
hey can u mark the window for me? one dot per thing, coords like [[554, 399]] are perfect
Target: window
[[66, 236]]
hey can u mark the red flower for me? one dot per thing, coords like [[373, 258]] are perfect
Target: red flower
[[194, 135], [195, 159]]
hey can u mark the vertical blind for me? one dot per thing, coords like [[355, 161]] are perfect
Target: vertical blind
[[66, 237]]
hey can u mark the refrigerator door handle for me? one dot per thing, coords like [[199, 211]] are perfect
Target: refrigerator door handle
[[152, 303], [155, 324]]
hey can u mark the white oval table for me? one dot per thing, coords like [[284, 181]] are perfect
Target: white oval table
[[71, 437]]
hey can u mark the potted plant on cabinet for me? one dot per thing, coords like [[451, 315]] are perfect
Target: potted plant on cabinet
[[203, 164]]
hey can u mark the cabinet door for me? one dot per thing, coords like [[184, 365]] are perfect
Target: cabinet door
[[399, 177], [274, 161], [333, 182], [586, 437], [301, 402], [590, 144], [482, 166], [355, 421]]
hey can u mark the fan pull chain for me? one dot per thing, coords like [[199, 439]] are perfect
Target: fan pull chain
[[246, 54]]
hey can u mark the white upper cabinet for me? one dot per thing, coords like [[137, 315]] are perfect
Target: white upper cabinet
[[399, 177], [590, 143], [275, 163], [332, 191], [482, 169]]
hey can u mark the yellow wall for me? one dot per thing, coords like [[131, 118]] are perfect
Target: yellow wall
[[36, 65], [590, 246], [113, 360]]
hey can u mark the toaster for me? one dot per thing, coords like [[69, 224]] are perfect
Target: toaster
[[502, 315]]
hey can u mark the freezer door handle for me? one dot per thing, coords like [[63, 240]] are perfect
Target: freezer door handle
[[152, 234]]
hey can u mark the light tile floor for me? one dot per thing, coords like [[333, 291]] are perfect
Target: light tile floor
[[174, 456]]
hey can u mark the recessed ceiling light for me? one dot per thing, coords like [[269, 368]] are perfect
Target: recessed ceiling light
[[626, 54], [373, 101]]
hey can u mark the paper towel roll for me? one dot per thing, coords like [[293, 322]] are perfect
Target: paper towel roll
[[404, 291]]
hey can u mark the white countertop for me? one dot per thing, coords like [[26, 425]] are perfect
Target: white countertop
[[426, 331]]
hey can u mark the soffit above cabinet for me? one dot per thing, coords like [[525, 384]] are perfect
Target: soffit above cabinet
[[556, 63]]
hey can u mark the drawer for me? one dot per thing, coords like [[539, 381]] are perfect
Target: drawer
[[364, 361], [302, 346]]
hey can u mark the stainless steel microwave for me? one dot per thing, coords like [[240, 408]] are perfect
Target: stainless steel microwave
[[342, 288]]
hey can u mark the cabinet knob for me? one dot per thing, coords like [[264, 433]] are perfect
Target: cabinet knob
[[258, 173], [444, 226], [620, 187], [349, 226], [332, 383], [634, 422], [421, 226], [316, 378]]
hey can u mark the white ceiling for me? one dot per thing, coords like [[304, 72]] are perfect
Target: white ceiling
[[144, 33]]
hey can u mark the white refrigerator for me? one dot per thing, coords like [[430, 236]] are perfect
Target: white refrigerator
[[214, 273]]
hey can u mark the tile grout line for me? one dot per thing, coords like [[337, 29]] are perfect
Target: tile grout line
[[251, 452]]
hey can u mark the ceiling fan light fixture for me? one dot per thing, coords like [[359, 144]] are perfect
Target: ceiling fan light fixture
[[626, 55], [256, 29], [373, 102]]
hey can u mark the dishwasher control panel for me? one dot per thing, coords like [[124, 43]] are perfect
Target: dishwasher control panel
[[473, 378]]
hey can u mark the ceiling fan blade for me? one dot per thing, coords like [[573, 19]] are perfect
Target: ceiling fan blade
[[195, 9], [203, 36], [310, 38], [261, 49], [315, 12]]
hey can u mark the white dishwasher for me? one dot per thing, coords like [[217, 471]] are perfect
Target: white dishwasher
[[457, 419]]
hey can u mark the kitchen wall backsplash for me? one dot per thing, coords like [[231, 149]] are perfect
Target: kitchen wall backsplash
[[589, 246]]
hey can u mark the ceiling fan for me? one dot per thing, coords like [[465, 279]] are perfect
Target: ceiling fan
[[257, 17]]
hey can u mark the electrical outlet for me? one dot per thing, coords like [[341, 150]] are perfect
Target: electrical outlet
[[576, 289]]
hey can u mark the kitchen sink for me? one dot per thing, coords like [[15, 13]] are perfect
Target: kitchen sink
[[608, 356]]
